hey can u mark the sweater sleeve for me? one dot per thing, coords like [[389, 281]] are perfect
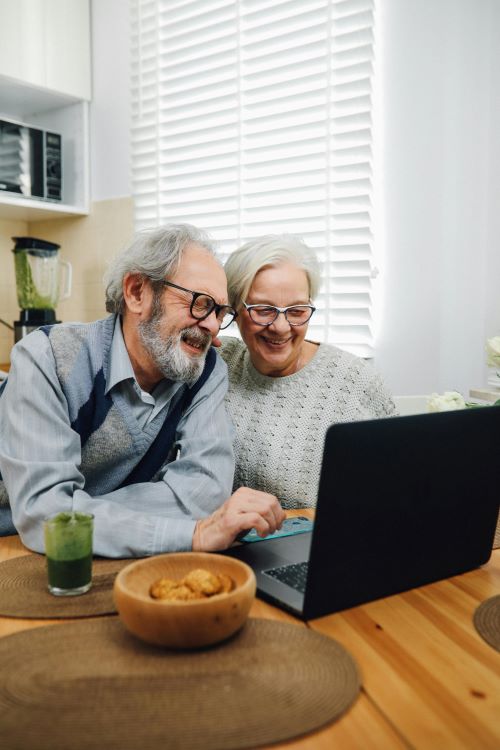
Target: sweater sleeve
[[378, 397]]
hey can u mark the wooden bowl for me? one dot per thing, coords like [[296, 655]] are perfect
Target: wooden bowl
[[183, 624]]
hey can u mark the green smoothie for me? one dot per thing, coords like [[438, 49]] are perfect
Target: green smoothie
[[68, 547], [69, 574], [27, 294]]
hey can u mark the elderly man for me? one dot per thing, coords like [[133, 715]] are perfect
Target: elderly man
[[124, 417]]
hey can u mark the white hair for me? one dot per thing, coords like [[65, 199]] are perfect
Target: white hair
[[271, 250], [153, 253]]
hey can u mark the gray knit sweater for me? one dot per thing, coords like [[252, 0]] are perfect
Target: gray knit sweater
[[281, 422]]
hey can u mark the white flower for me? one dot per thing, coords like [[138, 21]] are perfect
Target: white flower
[[449, 401], [493, 351]]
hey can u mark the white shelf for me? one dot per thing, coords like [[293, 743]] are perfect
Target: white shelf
[[19, 99], [71, 120], [30, 209]]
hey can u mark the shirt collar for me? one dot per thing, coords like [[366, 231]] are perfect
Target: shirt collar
[[120, 366]]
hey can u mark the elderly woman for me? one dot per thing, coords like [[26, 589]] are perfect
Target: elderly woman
[[285, 390]]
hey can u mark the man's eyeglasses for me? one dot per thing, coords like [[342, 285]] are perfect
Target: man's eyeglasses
[[203, 305], [265, 315]]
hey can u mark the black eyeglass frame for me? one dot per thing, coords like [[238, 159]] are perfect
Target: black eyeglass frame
[[215, 306], [279, 310]]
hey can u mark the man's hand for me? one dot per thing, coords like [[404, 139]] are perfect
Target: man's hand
[[246, 509]]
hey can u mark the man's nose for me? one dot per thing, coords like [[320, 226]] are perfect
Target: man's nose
[[210, 324]]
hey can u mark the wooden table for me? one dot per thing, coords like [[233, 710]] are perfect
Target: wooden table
[[429, 680]]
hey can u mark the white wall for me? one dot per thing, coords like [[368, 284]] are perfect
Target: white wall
[[441, 61], [110, 108], [440, 271]]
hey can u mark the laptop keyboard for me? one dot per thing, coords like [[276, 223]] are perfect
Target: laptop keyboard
[[294, 575]]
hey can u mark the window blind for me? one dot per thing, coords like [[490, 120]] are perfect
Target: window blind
[[253, 117]]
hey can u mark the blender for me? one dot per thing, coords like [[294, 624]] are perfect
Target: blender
[[39, 271]]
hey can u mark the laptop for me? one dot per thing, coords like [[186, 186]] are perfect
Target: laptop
[[402, 502]]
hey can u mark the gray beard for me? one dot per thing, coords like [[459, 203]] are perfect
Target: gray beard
[[167, 353]]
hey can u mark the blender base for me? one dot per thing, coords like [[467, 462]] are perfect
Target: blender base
[[31, 319]]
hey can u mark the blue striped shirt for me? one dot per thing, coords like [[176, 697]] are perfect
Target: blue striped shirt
[[40, 456]]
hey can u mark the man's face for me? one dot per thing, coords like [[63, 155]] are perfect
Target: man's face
[[176, 342]]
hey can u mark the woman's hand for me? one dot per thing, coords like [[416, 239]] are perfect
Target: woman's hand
[[246, 509]]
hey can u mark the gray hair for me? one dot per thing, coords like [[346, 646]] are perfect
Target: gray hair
[[153, 253], [243, 265]]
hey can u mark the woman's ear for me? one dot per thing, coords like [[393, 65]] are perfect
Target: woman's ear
[[135, 292]]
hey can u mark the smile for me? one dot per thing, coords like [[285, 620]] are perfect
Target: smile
[[198, 344], [276, 342]]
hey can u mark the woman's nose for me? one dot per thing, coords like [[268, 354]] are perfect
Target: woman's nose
[[281, 323]]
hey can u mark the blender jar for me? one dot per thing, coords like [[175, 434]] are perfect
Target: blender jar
[[38, 271], [38, 282]]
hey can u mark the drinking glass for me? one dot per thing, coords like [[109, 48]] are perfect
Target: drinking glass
[[68, 548]]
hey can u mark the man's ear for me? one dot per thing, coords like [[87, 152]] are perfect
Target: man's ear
[[135, 292]]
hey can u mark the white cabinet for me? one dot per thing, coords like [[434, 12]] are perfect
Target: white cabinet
[[22, 41], [45, 81], [46, 43]]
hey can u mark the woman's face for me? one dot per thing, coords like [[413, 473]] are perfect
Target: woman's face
[[276, 349]]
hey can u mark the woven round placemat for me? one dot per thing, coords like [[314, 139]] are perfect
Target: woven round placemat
[[24, 593], [91, 686], [487, 621]]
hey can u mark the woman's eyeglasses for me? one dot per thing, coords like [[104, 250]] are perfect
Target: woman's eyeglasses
[[265, 315]]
